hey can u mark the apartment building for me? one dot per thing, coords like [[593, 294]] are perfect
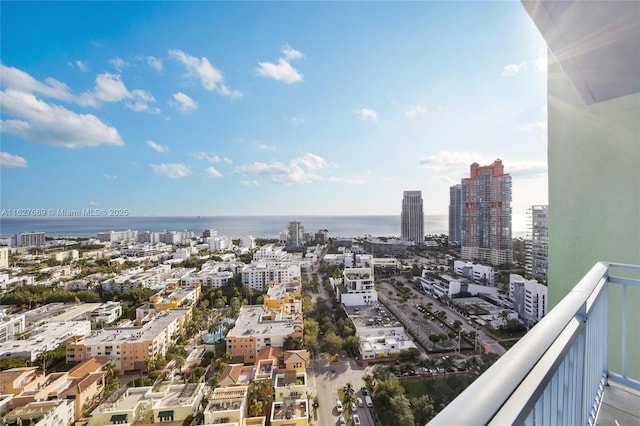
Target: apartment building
[[529, 298], [4, 257], [30, 239], [412, 217], [258, 328], [10, 325], [284, 298], [455, 213], [129, 346], [44, 338], [537, 242], [259, 274], [227, 406], [486, 214], [161, 403], [47, 413], [117, 236], [211, 275], [357, 287]]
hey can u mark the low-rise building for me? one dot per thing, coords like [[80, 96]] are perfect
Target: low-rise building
[[357, 287], [290, 412], [10, 325], [46, 413], [227, 405], [161, 403], [480, 274], [128, 347], [44, 338], [529, 298]]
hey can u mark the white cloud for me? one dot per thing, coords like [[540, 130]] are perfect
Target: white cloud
[[41, 122], [82, 66], [172, 170], [185, 103], [358, 180], [155, 63], [210, 77], [282, 71], [212, 172], [118, 63], [367, 114], [514, 69], [263, 147], [158, 148], [208, 157], [10, 161], [110, 88], [109, 177], [299, 170], [94, 203], [415, 110], [249, 182], [297, 121], [13, 78], [291, 53], [227, 160]]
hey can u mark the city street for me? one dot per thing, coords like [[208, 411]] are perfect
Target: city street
[[327, 378]]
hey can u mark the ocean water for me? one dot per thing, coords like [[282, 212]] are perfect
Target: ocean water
[[230, 226]]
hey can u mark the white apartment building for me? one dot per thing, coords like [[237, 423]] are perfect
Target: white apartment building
[[259, 274], [480, 274], [270, 252], [44, 338], [60, 412], [248, 242], [10, 325], [447, 286], [220, 243], [30, 239], [117, 236], [357, 287], [211, 275], [529, 298]]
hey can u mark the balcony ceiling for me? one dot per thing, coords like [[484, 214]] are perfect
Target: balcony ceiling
[[597, 44]]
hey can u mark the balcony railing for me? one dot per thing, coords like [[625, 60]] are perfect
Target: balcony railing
[[556, 374]]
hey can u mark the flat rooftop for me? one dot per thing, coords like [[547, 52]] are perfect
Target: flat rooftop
[[140, 333], [371, 316], [250, 323]]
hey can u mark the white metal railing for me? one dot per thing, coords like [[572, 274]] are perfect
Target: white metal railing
[[555, 375]]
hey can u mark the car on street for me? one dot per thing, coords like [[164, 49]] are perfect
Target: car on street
[[356, 419], [364, 391], [353, 407], [342, 421], [359, 401], [339, 407]]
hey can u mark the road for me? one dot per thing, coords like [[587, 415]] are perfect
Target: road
[[327, 378]]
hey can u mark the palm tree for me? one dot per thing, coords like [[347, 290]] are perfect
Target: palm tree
[[504, 315]]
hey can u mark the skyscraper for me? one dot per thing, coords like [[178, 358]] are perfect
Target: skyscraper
[[412, 217], [486, 214], [455, 213], [537, 243], [295, 234]]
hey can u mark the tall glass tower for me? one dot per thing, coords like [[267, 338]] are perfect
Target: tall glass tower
[[412, 217]]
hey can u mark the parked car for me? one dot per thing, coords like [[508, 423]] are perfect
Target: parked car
[[364, 391], [353, 407], [356, 419], [359, 401], [339, 406], [342, 421]]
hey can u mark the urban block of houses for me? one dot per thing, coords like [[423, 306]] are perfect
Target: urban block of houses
[[170, 297], [129, 346], [161, 403], [259, 274], [211, 275], [84, 384]]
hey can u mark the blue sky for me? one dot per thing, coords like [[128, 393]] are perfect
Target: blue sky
[[242, 108]]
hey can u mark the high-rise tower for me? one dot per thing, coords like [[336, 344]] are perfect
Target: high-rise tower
[[486, 214], [455, 213], [412, 217], [537, 243], [295, 234]]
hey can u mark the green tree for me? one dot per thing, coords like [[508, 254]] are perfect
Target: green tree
[[332, 344], [352, 344]]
